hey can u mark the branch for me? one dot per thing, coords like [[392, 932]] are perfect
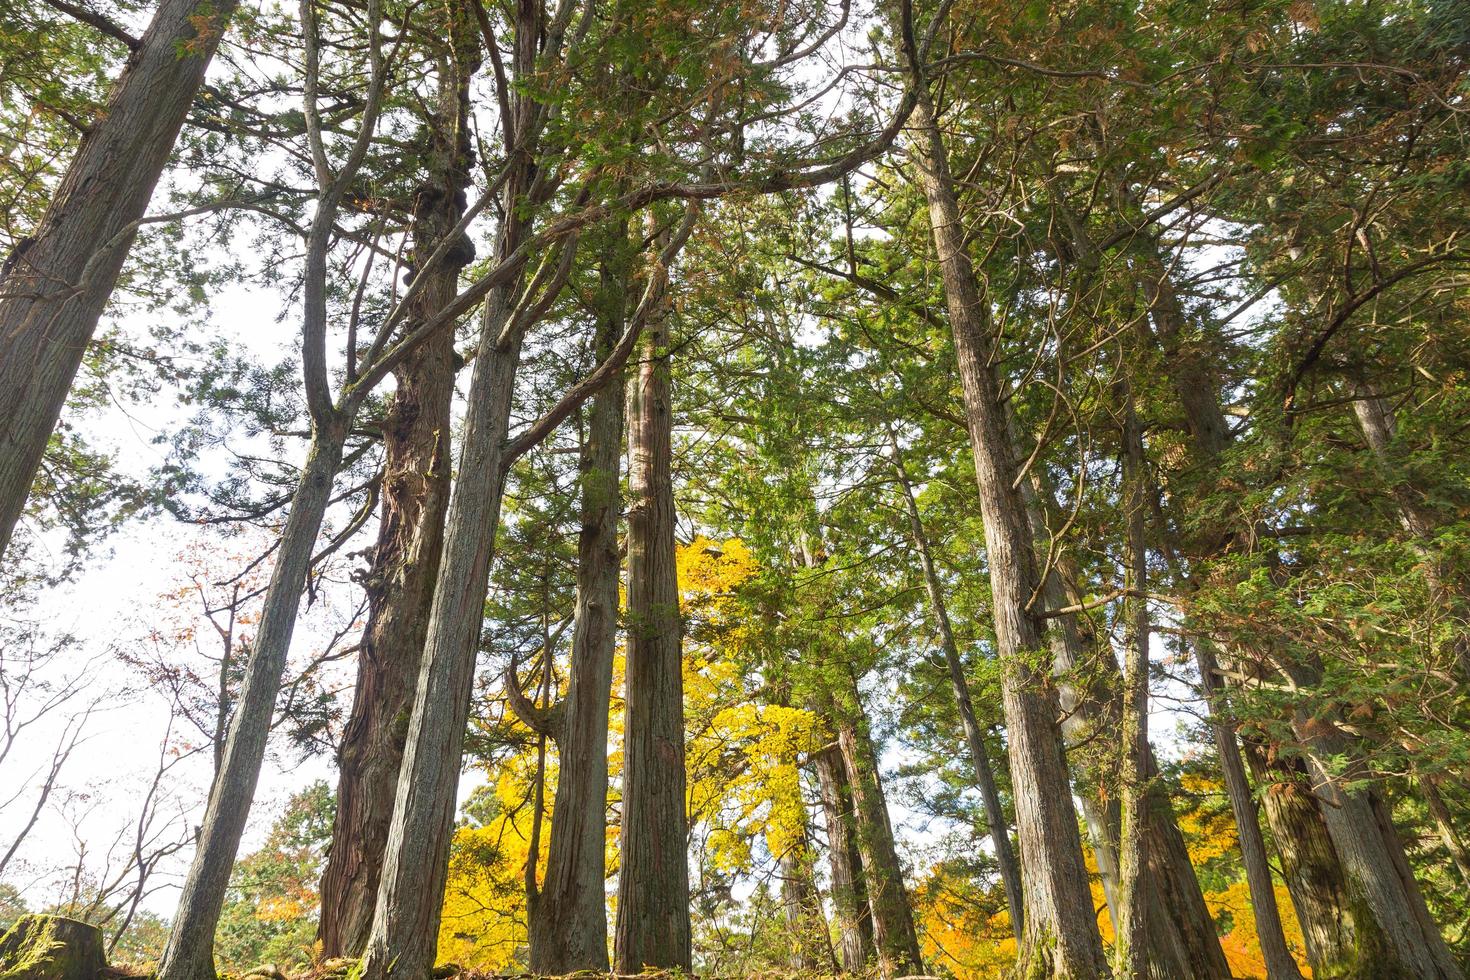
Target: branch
[[617, 357], [93, 19], [542, 721]]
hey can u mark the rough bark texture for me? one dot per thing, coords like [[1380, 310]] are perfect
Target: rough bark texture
[[806, 924], [190, 951], [1406, 942], [568, 926], [55, 284], [653, 881], [406, 916], [1280, 964], [1061, 937], [894, 937], [400, 580], [1131, 951], [849, 893]]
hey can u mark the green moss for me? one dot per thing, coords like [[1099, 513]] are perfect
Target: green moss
[[26, 948], [49, 947]]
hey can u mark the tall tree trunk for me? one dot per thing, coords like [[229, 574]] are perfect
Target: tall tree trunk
[[894, 938], [1409, 943], [415, 499], [568, 927], [1310, 866], [653, 880], [1280, 964], [1005, 857], [189, 954], [806, 925], [416, 860], [1131, 950], [55, 285], [849, 892], [1061, 937], [1181, 935], [1392, 932]]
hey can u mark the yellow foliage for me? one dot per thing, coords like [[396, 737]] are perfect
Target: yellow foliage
[[741, 762], [959, 930], [484, 914]]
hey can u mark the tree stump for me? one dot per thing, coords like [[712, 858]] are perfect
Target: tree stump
[[51, 947]]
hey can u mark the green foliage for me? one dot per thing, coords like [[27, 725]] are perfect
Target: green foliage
[[270, 911]]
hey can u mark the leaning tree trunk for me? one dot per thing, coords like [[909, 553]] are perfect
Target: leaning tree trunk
[[653, 880], [849, 893], [416, 863], [190, 951], [1005, 857], [894, 937], [400, 581], [55, 285], [568, 926], [1061, 937]]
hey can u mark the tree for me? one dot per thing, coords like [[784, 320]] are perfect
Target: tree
[[57, 281], [653, 880]]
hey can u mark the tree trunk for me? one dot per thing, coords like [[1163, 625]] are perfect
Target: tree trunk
[[1359, 906], [568, 927], [1182, 939], [894, 937], [190, 951], [1061, 937], [806, 925], [406, 915], [1280, 964], [653, 882], [1444, 823], [415, 499], [1130, 954], [849, 893], [55, 285], [1005, 857], [1407, 942]]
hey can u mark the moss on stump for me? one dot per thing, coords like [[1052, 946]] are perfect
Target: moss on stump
[[50, 947]]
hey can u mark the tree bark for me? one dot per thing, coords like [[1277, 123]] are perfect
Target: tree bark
[[1360, 908], [1061, 937], [1280, 964], [806, 925], [1130, 953], [568, 927], [894, 938], [1005, 857], [56, 284], [1181, 935], [406, 915], [849, 891], [653, 882], [400, 580], [189, 954]]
